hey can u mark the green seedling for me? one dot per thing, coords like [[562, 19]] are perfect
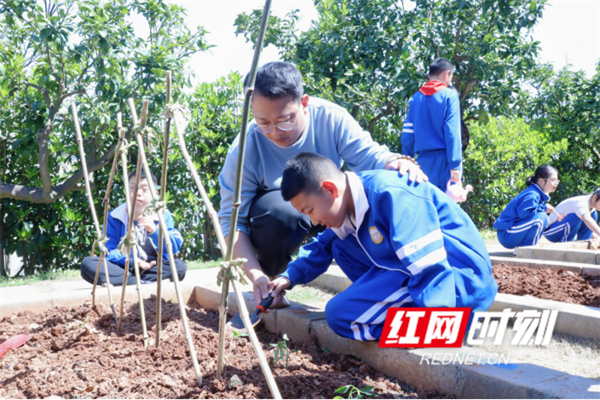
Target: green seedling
[[325, 350], [354, 392], [281, 351], [237, 334], [84, 321]]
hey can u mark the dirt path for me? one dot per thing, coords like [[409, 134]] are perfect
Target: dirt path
[[77, 353]]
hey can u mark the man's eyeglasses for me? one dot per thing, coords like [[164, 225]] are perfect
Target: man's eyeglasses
[[557, 181], [282, 126]]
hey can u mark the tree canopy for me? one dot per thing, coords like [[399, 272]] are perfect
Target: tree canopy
[[54, 53], [373, 55]]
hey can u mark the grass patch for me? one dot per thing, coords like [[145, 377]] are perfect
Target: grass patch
[[489, 235], [203, 264], [75, 274], [310, 296], [63, 275]]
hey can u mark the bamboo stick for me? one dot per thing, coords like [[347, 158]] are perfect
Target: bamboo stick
[[163, 191], [88, 192], [106, 201], [128, 205], [131, 206], [236, 202], [264, 365], [168, 245]]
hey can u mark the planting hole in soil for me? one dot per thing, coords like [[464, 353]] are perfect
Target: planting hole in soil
[[78, 353]]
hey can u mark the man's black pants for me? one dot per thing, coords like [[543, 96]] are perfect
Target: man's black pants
[[116, 272], [277, 231]]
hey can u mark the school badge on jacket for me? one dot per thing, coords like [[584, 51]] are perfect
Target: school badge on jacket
[[376, 236]]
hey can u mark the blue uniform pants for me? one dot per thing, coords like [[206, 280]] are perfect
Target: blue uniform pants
[[569, 228], [435, 165], [525, 233], [359, 312]]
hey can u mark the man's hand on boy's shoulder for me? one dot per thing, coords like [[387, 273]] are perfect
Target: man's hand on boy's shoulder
[[415, 173], [148, 224]]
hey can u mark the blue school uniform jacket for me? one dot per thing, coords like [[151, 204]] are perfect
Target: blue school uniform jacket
[[522, 208], [433, 123], [415, 229], [116, 229]]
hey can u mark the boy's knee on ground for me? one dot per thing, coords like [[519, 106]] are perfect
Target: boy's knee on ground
[[335, 309]]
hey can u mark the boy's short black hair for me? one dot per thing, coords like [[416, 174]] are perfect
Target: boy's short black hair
[[143, 176], [278, 79], [440, 65], [305, 172]]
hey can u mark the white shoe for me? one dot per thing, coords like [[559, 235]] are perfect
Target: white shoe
[[105, 284]]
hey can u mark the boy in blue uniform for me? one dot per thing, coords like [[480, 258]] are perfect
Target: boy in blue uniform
[[401, 243], [146, 234], [432, 128]]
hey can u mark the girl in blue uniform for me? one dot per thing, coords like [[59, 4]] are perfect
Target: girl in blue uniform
[[525, 218], [402, 244]]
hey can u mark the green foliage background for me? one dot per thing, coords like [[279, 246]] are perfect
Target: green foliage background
[[369, 56]]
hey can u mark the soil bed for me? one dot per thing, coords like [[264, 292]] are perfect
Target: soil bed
[[78, 353], [547, 284]]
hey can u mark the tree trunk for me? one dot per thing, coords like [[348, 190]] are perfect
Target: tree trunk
[[3, 267], [25, 260], [595, 152], [3, 271], [208, 245]]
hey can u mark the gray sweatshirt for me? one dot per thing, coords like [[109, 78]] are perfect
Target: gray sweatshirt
[[329, 130]]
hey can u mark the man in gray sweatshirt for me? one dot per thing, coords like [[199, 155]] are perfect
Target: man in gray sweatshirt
[[288, 122]]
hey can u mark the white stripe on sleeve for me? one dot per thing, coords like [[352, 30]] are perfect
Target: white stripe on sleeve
[[430, 259], [418, 244]]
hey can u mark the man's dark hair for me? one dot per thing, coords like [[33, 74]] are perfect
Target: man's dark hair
[[305, 172], [278, 79], [440, 65], [143, 176]]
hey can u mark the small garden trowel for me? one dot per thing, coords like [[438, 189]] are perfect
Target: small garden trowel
[[237, 323]]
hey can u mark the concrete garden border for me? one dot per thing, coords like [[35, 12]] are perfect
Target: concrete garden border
[[573, 319], [566, 252]]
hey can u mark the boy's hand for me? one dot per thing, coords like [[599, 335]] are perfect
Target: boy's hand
[[146, 265], [454, 175], [277, 288], [403, 166], [148, 224], [560, 217]]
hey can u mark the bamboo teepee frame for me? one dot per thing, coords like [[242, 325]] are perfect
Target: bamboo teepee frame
[[159, 204]]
